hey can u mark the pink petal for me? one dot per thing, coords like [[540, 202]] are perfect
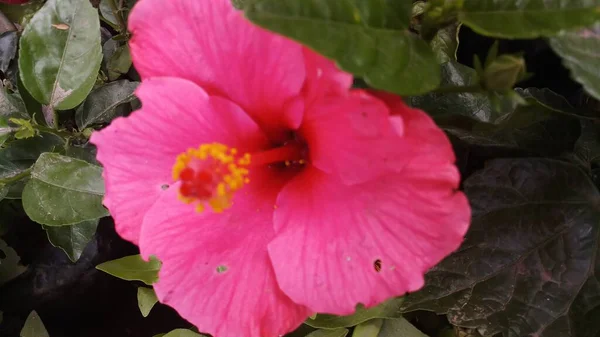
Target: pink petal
[[330, 236], [323, 78], [212, 44], [215, 267], [352, 137], [138, 152]]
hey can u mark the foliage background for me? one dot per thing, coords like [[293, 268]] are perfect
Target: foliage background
[[522, 113]]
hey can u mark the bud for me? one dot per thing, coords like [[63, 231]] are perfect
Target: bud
[[504, 72]]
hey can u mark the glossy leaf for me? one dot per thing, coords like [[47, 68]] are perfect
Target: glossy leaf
[[107, 12], [580, 51], [34, 327], [328, 333], [64, 191], [102, 103], [146, 300], [10, 264], [119, 62], [387, 309], [11, 105], [5, 131], [59, 66], [132, 268], [530, 261], [72, 239], [20, 155], [369, 38], [399, 327], [445, 43], [527, 19]]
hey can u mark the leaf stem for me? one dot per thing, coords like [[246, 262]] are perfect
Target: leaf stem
[[117, 13], [60, 133], [17, 177]]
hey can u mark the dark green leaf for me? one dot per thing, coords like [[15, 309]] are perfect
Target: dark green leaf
[[132, 268], [10, 266], [20, 155], [399, 327], [588, 145], [3, 191], [530, 261], [5, 131], [107, 12], [60, 53], [328, 333], [387, 309], [580, 51], [34, 327], [33, 107], [20, 14], [146, 300], [64, 191], [119, 62], [8, 48], [102, 103], [11, 105], [445, 43], [85, 152], [72, 239], [369, 328], [369, 38], [527, 19]]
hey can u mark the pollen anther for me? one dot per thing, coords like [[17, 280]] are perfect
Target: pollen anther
[[210, 175]]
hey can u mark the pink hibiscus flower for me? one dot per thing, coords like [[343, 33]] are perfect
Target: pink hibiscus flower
[[268, 189]]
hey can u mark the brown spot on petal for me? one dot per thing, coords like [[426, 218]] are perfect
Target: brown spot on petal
[[377, 265]]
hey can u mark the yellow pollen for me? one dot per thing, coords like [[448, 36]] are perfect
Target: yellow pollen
[[210, 175]]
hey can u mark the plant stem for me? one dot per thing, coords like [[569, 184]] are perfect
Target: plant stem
[[117, 13], [60, 133], [18, 177], [458, 89]]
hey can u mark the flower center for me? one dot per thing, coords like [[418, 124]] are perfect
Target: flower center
[[212, 173]]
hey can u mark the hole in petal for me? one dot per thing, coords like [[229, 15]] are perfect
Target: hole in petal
[[221, 269], [165, 187], [377, 265]]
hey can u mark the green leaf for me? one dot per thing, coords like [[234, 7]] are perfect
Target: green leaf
[[22, 13], [10, 263], [72, 239], [146, 300], [328, 333], [445, 43], [369, 38], [399, 327], [5, 131], [580, 51], [530, 262], [588, 145], [387, 309], [369, 328], [119, 62], [60, 53], [33, 107], [102, 103], [527, 19], [64, 191], [183, 333], [107, 12], [11, 105], [34, 327], [20, 155], [133, 268]]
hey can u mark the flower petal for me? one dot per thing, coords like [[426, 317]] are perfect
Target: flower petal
[[340, 245], [212, 44], [138, 152], [352, 137], [215, 267], [323, 78]]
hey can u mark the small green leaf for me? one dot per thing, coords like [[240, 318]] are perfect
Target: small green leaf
[[101, 106], [328, 333], [119, 62], [133, 268], [60, 53], [25, 129], [146, 300], [72, 239], [580, 51], [107, 12], [10, 265], [527, 19], [387, 309], [64, 191], [183, 333], [399, 327], [369, 38], [34, 327], [369, 328]]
